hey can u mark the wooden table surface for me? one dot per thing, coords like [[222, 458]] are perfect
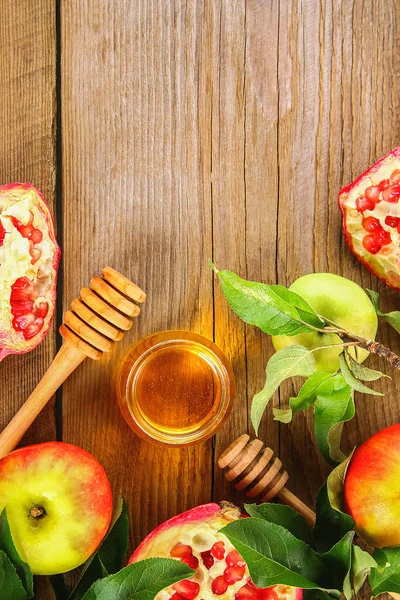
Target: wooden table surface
[[163, 133]]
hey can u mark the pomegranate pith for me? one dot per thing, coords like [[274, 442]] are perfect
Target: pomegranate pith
[[221, 570], [371, 217], [29, 257]]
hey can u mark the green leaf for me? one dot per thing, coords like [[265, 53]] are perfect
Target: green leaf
[[282, 515], [7, 546], [335, 484], [288, 362], [139, 581], [393, 318], [331, 525], [352, 381], [273, 555], [385, 578], [108, 558], [272, 308], [10, 584], [339, 559], [361, 565], [331, 410], [361, 372]]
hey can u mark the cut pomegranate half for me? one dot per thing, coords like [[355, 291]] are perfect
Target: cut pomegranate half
[[193, 537], [29, 257], [371, 218]]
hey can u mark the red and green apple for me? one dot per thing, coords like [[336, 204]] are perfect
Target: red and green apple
[[58, 502]]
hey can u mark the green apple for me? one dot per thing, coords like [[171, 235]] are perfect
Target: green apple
[[343, 302], [58, 502]]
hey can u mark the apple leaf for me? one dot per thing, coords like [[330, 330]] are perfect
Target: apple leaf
[[331, 525], [319, 383], [393, 318], [282, 515], [108, 558], [352, 380], [335, 484], [10, 584], [7, 546], [139, 581], [331, 410], [362, 372], [385, 578], [273, 308], [275, 556], [288, 362], [361, 565]]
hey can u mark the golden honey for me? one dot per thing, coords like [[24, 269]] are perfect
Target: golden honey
[[175, 387]]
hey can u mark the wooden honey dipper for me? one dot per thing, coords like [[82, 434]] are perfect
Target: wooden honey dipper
[[95, 322], [255, 470]]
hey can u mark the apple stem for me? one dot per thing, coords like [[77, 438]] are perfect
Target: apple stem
[[36, 512]]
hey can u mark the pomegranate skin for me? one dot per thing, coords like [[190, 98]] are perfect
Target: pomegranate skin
[[196, 530], [11, 339], [384, 261]]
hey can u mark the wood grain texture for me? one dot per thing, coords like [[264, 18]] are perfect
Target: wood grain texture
[[28, 153], [190, 130], [137, 196]]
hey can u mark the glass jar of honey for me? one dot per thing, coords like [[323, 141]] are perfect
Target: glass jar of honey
[[175, 388]]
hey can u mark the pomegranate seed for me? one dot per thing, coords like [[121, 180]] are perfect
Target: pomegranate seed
[[191, 561], [26, 231], [233, 558], [42, 310], [33, 329], [392, 221], [180, 550], [372, 193], [246, 592], [21, 322], [363, 204], [207, 559], [382, 237], [391, 193], [35, 254], [234, 574], [17, 223], [22, 308], [218, 550], [267, 594], [21, 284], [219, 586], [188, 589], [371, 224], [37, 236], [371, 245], [176, 596], [383, 184], [395, 176], [2, 234]]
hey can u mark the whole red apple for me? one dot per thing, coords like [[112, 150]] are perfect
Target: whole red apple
[[372, 488], [59, 505]]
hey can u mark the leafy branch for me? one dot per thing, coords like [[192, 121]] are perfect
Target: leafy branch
[[279, 311]]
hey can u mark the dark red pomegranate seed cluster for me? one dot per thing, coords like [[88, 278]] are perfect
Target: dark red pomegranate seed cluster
[[234, 571], [388, 191], [34, 236], [28, 319]]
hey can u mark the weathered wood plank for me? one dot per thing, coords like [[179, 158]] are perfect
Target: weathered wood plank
[[137, 195], [27, 148]]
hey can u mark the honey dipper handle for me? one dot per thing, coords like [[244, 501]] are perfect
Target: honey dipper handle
[[288, 498], [64, 363]]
